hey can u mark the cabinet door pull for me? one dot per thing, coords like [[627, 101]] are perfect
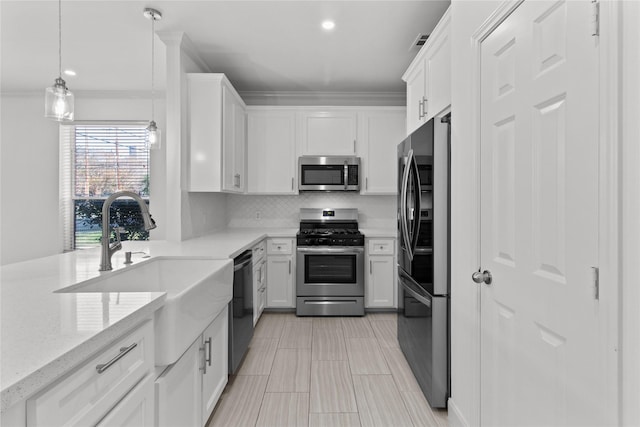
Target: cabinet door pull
[[354, 145], [420, 109], [208, 359], [425, 105], [366, 183], [123, 352], [291, 183], [370, 267], [289, 266], [204, 360]]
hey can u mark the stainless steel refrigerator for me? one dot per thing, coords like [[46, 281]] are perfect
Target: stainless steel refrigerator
[[423, 257]]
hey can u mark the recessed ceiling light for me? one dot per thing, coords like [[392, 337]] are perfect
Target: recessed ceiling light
[[70, 73], [328, 25]]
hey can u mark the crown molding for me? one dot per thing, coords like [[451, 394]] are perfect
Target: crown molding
[[298, 98]]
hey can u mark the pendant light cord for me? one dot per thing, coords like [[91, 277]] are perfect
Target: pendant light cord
[[153, 21], [60, 38]]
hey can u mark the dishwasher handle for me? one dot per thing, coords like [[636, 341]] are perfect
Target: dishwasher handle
[[242, 260]]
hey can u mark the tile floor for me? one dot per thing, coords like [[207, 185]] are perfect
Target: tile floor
[[325, 371]]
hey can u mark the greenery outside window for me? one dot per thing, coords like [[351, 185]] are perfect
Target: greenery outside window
[[98, 160]]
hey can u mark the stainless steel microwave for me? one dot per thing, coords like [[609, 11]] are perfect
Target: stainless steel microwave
[[328, 173]]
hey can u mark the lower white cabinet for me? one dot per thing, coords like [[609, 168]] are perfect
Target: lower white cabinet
[[380, 284], [135, 410], [259, 279], [188, 390], [107, 387], [280, 273]]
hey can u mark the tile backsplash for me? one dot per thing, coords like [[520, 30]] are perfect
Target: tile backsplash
[[283, 211]]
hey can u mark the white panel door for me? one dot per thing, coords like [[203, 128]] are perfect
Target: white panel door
[[329, 133], [382, 132], [216, 358], [179, 391], [271, 152], [280, 282], [540, 333]]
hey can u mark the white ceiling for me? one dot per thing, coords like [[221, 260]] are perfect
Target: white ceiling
[[260, 45]]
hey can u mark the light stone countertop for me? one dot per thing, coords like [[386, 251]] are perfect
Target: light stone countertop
[[45, 334], [379, 232]]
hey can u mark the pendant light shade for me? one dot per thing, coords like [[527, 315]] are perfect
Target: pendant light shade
[[58, 99], [154, 136]]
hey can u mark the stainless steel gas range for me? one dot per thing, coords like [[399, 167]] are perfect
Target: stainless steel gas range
[[330, 263]]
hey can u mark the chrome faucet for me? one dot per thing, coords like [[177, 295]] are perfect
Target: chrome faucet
[[109, 249]]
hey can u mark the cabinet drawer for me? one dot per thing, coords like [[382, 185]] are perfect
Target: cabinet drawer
[[381, 246], [279, 246], [258, 251], [85, 396]]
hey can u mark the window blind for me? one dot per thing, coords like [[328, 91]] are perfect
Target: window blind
[[109, 159], [96, 161]]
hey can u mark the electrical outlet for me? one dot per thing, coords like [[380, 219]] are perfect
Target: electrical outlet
[[258, 214]]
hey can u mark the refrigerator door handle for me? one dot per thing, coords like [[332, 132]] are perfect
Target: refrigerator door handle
[[404, 227], [414, 291], [417, 207]]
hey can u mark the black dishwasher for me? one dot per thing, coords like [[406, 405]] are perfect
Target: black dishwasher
[[241, 310]]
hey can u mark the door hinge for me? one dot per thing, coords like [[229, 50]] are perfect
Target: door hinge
[[595, 279], [595, 18]]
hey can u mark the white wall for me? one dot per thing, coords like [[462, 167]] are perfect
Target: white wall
[[466, 17], [30, 222], [29, 225]]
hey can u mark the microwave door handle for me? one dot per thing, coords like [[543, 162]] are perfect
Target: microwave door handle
[[346, 174], [404, 226], [418, 203]]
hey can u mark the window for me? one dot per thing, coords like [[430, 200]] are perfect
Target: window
[[98, 160]]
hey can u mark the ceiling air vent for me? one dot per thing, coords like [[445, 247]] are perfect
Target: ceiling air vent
[[419, 41]]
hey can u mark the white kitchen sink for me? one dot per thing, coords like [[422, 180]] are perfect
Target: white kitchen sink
[[197, 290]]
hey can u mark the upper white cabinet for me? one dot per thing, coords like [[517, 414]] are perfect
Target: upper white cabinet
[[328, 132], [271, 151], [428, 77], [217, 134], [381, 131]]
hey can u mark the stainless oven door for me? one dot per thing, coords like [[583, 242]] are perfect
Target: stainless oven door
[[330, 271]]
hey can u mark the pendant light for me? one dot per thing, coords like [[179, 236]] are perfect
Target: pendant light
[[153, 133], [58, 100]]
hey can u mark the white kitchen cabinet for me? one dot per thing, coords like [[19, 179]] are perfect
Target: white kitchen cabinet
[[328, 132], [380, 283], [188, 390], [99, 386], [216, 133], [259, 279], [280, 273], [215, 341], [271, 151], [382, 130], [136, 409], [428, 77], [179, 390]]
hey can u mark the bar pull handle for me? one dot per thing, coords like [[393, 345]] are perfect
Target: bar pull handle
[[123, 352], [208, 359], [420, 109], [354, 145], [289, 266], [370, 267], [291, 183]]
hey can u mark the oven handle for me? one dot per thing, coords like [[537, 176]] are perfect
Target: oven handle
[[332, 250], [414, 290]]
